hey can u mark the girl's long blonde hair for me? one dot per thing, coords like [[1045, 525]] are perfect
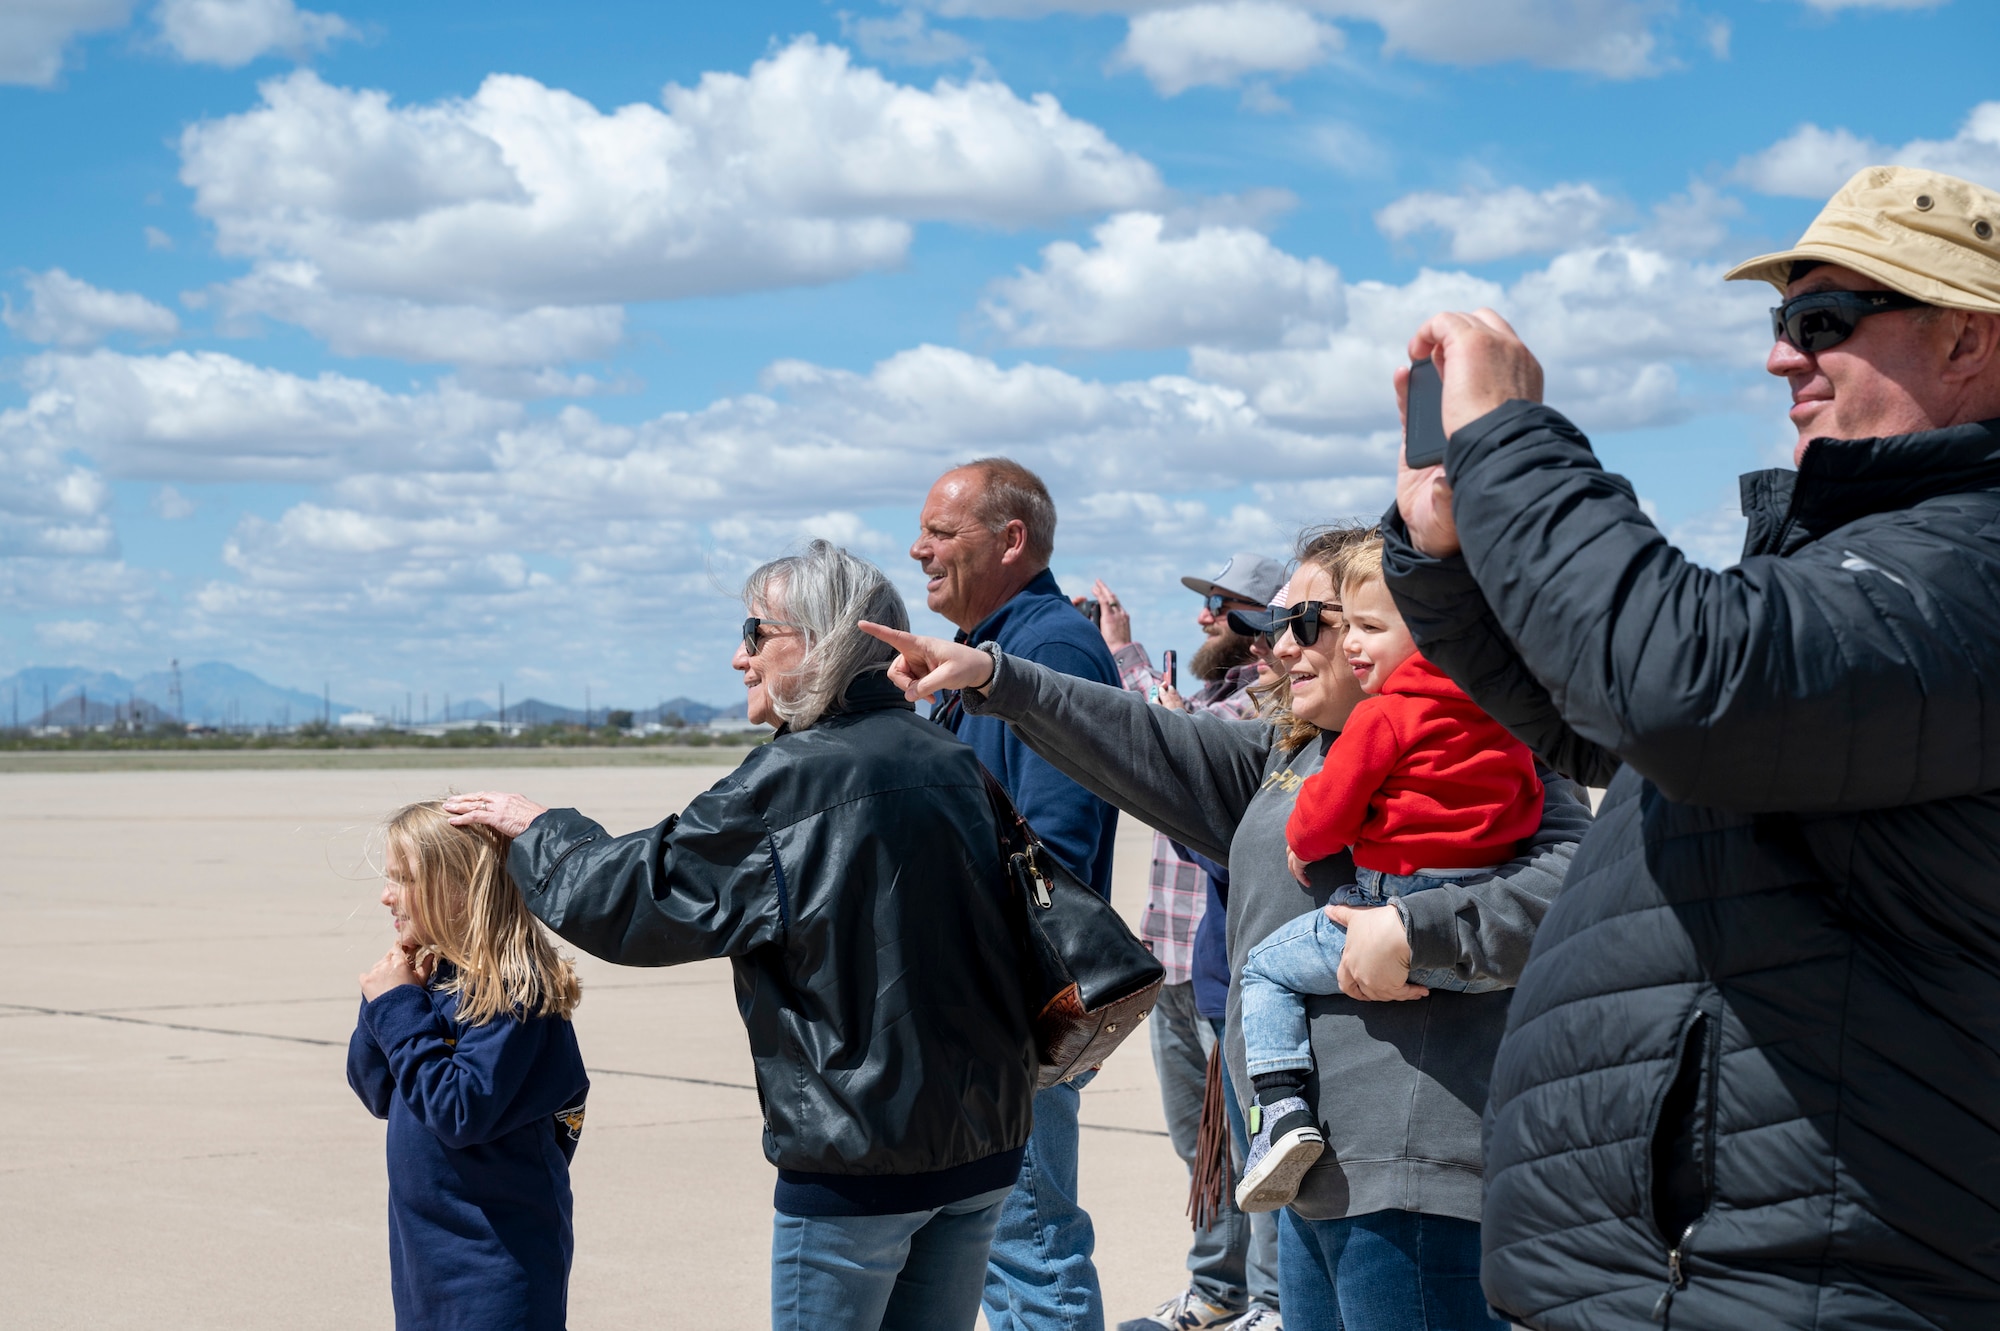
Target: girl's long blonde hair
[[462, 902]]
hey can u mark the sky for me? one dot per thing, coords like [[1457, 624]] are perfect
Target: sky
[[403, 348]]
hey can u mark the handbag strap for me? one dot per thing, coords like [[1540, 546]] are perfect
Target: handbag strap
[[1015, 834]]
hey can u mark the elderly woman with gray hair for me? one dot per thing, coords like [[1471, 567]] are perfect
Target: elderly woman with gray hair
[[850, 871]]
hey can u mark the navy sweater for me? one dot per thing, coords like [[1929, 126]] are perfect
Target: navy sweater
[[1040, 624], [483, 1121]]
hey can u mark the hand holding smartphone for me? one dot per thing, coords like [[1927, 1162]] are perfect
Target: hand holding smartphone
[[1423, 417], [1169, 667]]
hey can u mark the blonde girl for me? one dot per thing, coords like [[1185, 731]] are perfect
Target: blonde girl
[[464, 1045]]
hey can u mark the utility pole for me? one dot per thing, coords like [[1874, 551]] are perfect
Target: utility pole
[[586, 709], [326, 715], [174, 691], [427, 706], [82, 708], [503, 707]]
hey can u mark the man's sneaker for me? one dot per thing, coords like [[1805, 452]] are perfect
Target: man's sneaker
[[1186, 1311], [1258, 1319], [1286, 1144]]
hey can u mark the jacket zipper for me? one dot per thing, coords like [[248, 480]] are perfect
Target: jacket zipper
[[550, 876], [1677, 1254]]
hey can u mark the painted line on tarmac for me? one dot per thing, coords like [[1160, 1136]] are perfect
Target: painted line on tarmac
[[169, 1025], [27, 1009]]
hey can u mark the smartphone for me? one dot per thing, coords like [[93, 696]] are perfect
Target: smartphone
[[1092, 611], [1168, 664], [1423, 424]]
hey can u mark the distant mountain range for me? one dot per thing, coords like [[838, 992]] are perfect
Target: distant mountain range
[[219, 694]]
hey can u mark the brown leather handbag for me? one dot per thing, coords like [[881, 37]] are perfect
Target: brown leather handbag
[[1091, 982]]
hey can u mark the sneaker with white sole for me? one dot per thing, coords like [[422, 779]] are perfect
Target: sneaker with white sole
[[1259, 1319], [1286, 1144], [1186, 1311]]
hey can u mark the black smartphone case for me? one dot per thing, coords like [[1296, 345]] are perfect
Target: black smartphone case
[[1423, 430]]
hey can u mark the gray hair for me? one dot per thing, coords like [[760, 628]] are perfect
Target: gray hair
[[825, 591], [1009, 492]]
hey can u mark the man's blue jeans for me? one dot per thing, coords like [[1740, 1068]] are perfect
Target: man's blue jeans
[[919, 1271], [1388, 1271], [1040, 1277]]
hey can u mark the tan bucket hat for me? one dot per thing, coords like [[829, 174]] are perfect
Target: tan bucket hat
[[1923, 233]]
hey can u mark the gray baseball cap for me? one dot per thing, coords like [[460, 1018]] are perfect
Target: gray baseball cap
[[1246, 577]]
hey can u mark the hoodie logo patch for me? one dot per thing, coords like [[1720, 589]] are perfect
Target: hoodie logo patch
[[570, 1121]]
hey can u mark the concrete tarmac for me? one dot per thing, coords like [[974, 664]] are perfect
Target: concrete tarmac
[[178, 972]]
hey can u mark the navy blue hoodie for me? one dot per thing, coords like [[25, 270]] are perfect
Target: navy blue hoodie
[[483, 1121]]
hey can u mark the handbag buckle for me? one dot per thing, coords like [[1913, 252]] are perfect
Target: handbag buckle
[[1031, 876]]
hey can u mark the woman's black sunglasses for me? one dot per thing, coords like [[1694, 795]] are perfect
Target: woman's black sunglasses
[[1302, 619], [751, 638], [1823, 319]]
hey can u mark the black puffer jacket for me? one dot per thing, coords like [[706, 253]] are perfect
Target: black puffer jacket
[[851, 872], [1761, 1024]]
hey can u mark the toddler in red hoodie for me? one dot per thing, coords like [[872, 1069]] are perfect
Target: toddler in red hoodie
[[1427, 790]]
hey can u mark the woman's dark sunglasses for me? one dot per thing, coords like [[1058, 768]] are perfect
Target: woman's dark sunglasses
[[752, 640], [1825, 319], [1302, 619]]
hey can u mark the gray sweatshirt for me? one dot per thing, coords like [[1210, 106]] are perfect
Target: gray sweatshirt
[[1399, 1086]]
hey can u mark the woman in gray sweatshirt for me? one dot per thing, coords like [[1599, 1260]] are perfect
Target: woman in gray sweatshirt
[[1384, 1232]]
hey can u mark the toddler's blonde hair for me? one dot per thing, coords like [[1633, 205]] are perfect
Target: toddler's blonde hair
[[463, 903]]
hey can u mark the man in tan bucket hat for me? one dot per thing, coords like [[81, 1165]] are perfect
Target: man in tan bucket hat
[[1751, 1075]]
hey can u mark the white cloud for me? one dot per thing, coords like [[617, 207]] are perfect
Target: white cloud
[[1347, 148], [49, 505], [198, 416], [1139, 285], [157, 239], [1610, 322], [1217, 44], [906, 38], [232, 33], [805, 170], [467, 335], [34, 34], [67, 312], [1714, 538], [171, 504], [1811, 162], [1610, 38], [1499, 224]]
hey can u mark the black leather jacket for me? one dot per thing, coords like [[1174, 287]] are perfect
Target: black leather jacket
[[851, 873]]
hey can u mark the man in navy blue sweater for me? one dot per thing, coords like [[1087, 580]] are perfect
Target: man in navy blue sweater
[[985, 537]]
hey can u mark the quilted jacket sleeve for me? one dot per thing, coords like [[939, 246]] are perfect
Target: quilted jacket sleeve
[[1850, 675], [1456, 630]]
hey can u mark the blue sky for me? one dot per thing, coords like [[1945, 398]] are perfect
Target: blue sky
[[422, 347]]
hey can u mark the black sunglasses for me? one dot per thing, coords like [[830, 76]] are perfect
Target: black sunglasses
[[751, 640], [1823, 319], [1217, 602], [1303, 620]]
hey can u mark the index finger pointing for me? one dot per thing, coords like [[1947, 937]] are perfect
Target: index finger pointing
[[897, 638]]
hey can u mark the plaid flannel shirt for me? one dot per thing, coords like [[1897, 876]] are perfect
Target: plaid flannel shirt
[[1177, 892]]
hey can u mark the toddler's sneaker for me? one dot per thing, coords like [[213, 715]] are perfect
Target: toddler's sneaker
[[1185, 1311], [1286, 1144]]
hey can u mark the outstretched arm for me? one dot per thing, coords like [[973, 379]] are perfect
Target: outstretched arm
[[1188, 775]]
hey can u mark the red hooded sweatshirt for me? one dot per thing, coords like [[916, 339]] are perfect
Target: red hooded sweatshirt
[[1419, 778]]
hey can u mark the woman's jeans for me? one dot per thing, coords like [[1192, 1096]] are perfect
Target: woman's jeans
[[919, 1271], [1041, 1277], [1303, 957], [1389, 1271]]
